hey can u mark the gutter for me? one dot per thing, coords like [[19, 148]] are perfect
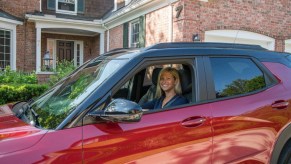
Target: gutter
[[135, 10], [54, 19], [40, 8]]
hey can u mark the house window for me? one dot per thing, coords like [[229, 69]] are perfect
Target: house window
[[66, 6], [134, 34], [5, 48]]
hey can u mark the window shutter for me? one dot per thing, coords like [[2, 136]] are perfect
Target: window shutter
[[51, 4], [125, 35], [141, 31], [81, 6]]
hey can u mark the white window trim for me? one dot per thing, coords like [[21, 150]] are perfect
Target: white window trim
[[288, 45], [65, 11], [130, 31], [54, 53], [8, 24]]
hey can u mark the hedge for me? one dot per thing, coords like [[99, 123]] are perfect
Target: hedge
[[12, 92], [9, 76]]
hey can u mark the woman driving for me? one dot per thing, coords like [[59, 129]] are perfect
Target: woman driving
[[168, 91]]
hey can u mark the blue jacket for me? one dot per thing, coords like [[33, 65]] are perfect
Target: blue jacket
[[157, 103]]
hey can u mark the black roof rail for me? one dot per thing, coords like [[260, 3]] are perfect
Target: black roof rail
[[204, 45], [118, 50]]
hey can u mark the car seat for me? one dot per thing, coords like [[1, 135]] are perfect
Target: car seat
[[150, 94], [186, 83]]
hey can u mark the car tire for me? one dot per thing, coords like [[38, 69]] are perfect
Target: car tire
[[285, 156]]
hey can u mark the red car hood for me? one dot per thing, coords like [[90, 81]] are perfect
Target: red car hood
[[14, 133]]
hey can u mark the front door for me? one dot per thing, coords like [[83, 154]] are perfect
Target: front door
[[65, 50]]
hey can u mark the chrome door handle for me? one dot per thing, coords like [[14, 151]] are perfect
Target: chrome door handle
[[193, 121], [280, 104]]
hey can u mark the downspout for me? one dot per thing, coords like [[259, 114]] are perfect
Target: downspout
[[40, 10], [171, 21], [107, 40]]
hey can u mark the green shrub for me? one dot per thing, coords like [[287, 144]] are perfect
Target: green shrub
[[63, 68], [9, 76], [14, 92]]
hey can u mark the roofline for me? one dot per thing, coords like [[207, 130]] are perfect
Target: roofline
[[125, 14], [11, 21], [134, 10], [54, 19]]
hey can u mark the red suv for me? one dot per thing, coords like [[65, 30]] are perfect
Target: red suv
[[238, 110]]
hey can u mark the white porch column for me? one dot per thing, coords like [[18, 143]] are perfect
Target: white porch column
[[170, 23], [102, 43], [38, 50], [13, 54]]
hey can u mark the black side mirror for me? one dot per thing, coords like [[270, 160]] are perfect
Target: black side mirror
[[121, 110]]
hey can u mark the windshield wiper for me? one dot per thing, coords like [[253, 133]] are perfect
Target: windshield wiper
[[23, 110]]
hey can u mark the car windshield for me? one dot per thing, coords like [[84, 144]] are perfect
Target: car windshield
[[62, 99]]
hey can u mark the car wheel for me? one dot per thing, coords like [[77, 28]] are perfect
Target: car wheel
[[285, 156]]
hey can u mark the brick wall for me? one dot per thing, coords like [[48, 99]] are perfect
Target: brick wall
[[94, 48], [263, 17], [43, 78], [26, 47], [116, 37], [20, 7], [93, 8], [157, 26]]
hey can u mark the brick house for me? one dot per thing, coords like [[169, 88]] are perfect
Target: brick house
[[78, 30]]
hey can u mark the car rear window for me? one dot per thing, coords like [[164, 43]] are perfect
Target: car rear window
[[235, 76]]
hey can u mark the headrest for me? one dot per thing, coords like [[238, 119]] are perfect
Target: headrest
[[185, 78], [155, 75]]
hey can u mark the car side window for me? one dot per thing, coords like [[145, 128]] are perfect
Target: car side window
[[235, 76], [142, 87]]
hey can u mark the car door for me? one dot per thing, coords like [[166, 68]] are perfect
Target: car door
[[181, 134], [245, 125]]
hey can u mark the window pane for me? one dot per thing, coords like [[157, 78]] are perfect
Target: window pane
[[81, 6], [7, 49], [68, 5], [7, 34], [7, 41], [1, 65], [7, 57], [2, 33], [1, 48], [1, 56], [234, 76], [51, 4], [135, 34], [2, 41]]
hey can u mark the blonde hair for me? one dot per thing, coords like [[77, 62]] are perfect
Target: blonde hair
[[176, 76]]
